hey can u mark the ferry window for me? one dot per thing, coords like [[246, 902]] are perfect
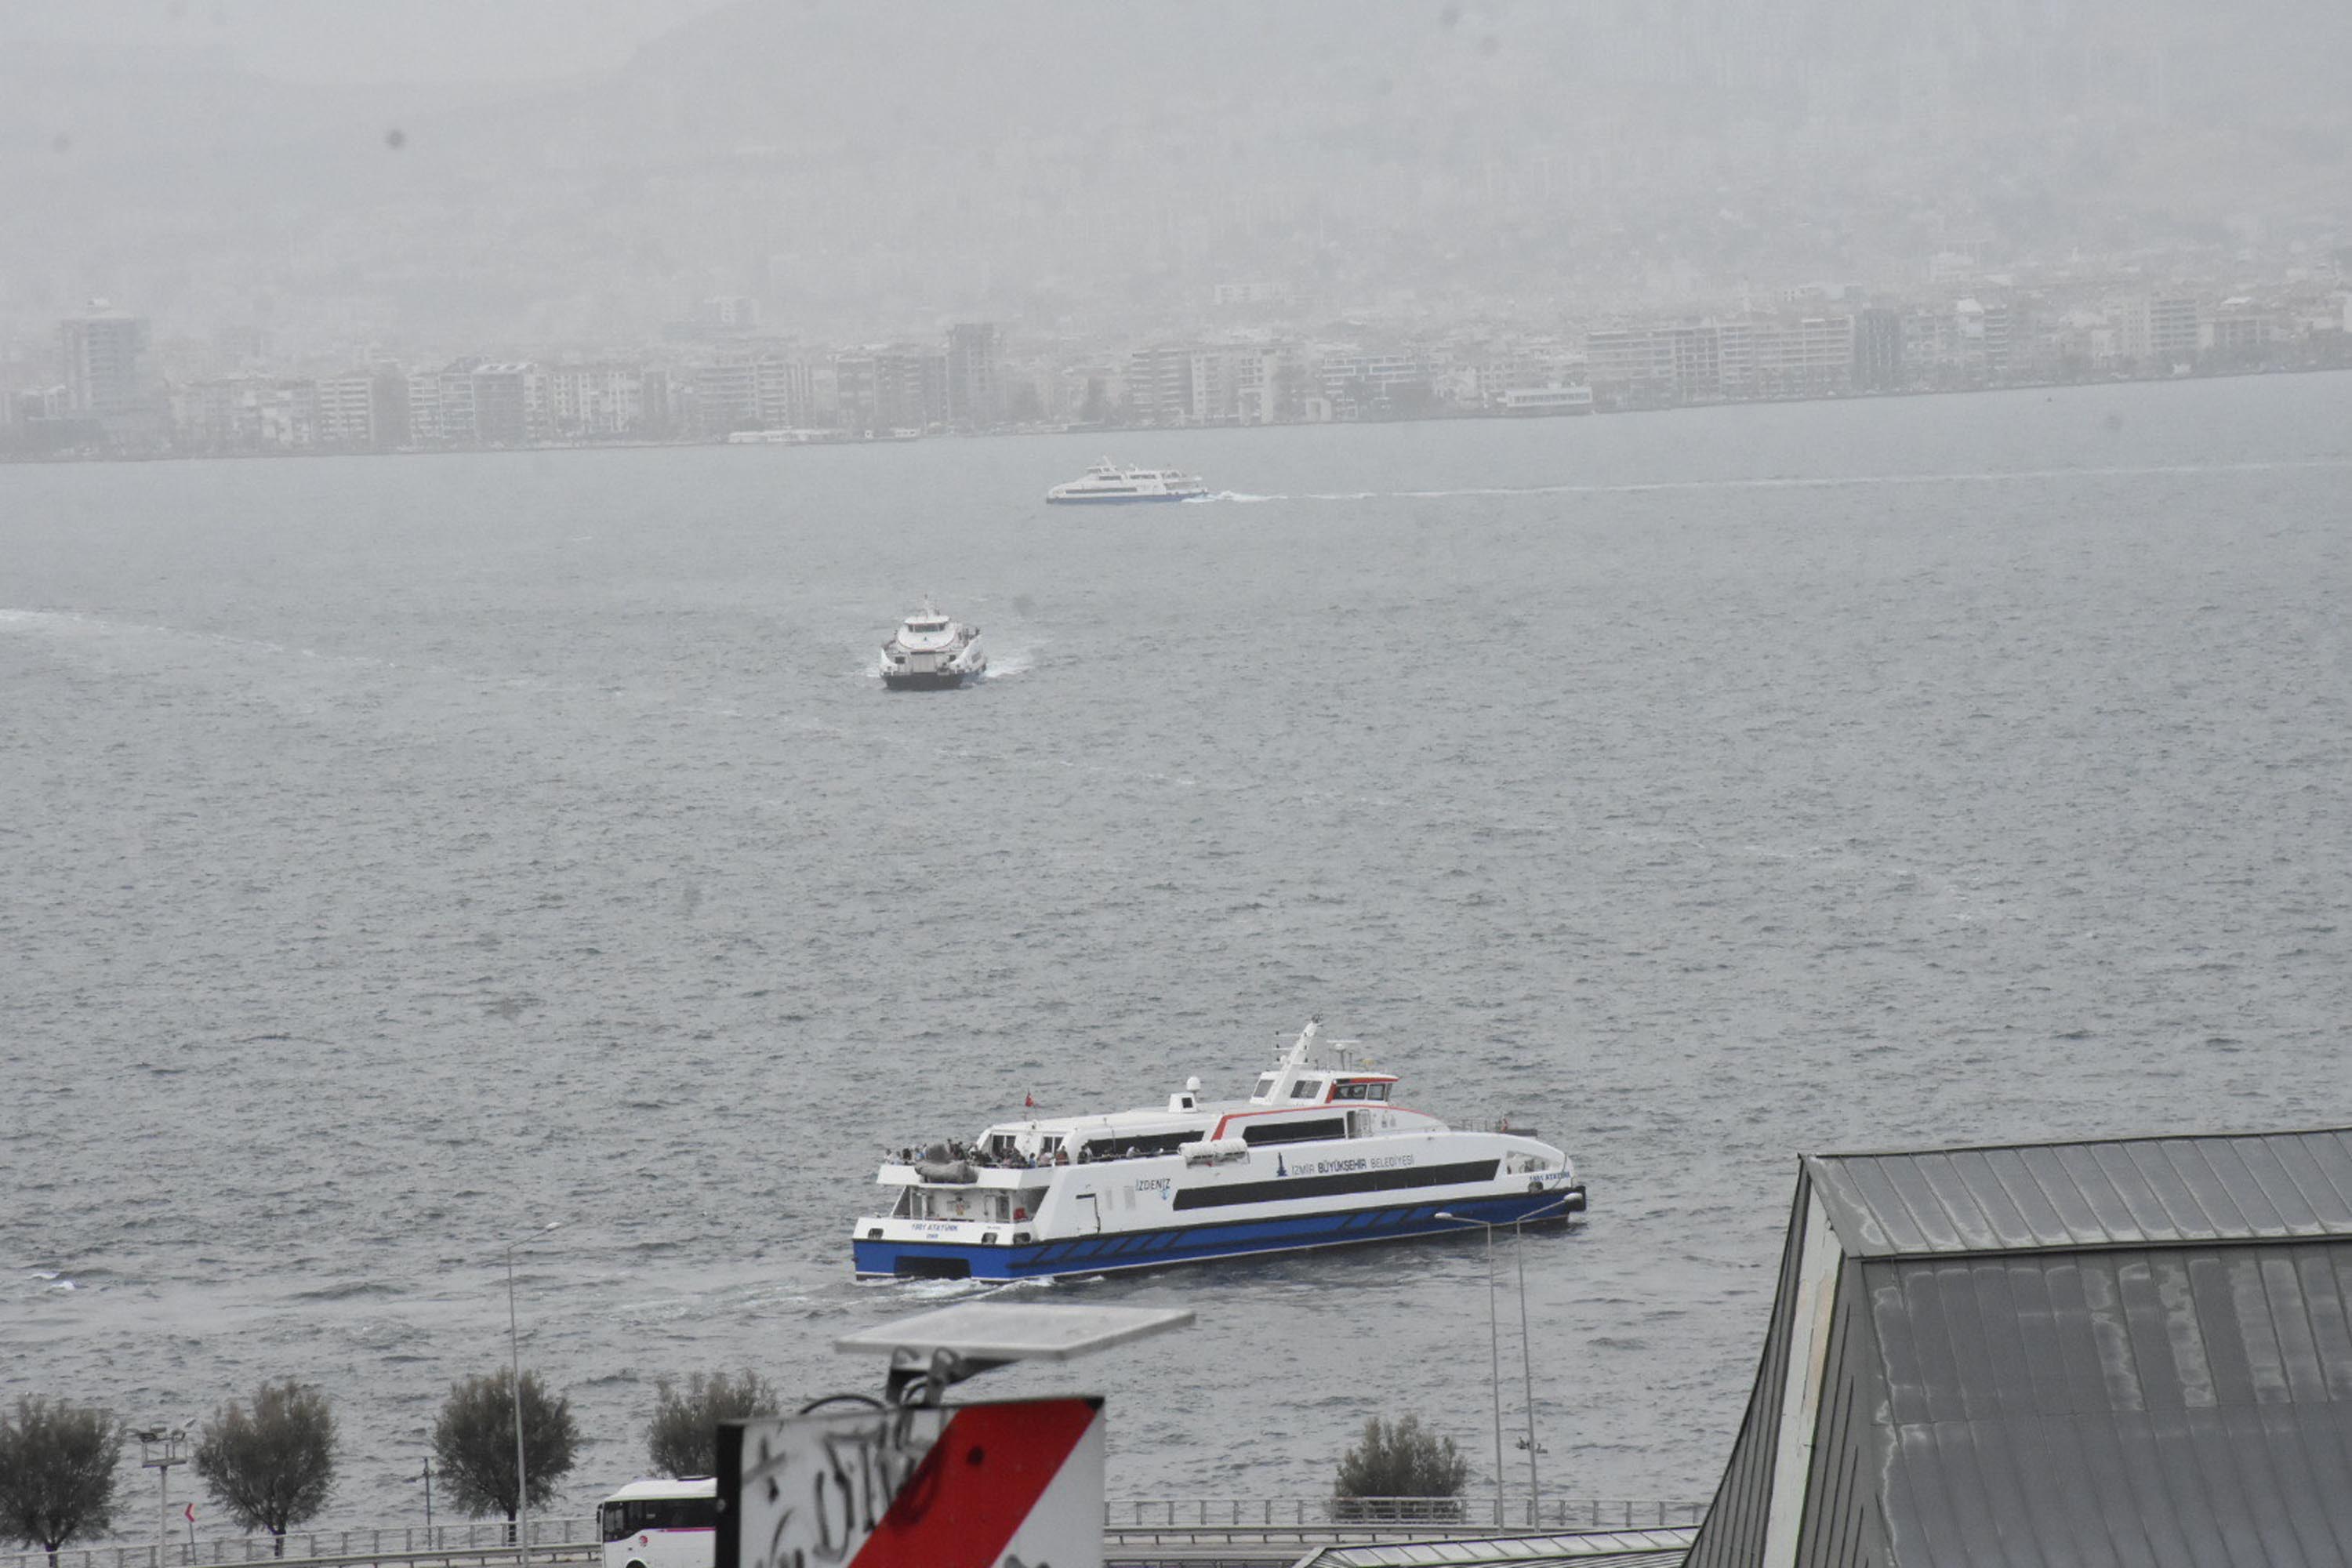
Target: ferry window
[[1348, 1091], [1256, 1133], [1307, 1088], [1138, 1146], [1265, 1087], [1378, 1090]]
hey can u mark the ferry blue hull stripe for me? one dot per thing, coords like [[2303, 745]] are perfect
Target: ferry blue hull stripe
[[1200, 1243]]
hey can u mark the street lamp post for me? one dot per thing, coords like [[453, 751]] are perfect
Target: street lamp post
[[1527, 1372], [426, 1476], [514, 1348], [159, 1450], [1494, 1357], [1527, 1356]]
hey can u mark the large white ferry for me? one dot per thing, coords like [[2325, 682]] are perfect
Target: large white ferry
[[1319, 1155], [932, 651], [1108, 482]]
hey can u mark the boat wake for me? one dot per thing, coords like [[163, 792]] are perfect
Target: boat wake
[[1796, 482], [936, 1290]]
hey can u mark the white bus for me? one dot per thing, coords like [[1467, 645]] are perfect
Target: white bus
[[660, 1523]]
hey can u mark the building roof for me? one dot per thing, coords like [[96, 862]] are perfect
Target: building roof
[[2106, 1354], [2118, 1192]]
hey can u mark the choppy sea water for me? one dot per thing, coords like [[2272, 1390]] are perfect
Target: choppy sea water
[[399, 853]]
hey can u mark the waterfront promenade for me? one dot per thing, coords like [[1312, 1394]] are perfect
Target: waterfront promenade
[[1136, 1530]]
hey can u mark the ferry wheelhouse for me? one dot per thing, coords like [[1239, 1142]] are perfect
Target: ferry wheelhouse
[[1108, 482], [1320, 1154]]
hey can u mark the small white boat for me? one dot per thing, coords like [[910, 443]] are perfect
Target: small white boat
[[1107, 483], [1318, 1155], [932, 652]]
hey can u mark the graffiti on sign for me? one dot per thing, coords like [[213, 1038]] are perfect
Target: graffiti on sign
[[1008, 1485], [824, 1496]]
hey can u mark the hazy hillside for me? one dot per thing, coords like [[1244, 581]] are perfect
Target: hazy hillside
[[867, 167]]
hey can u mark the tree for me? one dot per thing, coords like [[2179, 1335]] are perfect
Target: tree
[[56, 1472], [474, 1440], [684, 1437], [1397, 1460], [273, 1466]]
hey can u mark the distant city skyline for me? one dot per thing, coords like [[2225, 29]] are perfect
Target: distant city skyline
[[721, 376]]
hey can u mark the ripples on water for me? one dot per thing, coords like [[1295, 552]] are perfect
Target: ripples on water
[[401, 853]]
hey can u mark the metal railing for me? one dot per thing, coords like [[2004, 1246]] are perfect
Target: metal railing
[[1329, 1515], [488, 1543], [472, 1542]]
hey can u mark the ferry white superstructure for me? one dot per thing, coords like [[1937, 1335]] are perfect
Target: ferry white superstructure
[[1106, 482], [1319, 1154]]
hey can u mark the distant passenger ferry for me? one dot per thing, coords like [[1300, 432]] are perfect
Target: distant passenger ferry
[[932, 652], [1552, 399], [1106, 482], [1317, 1156]]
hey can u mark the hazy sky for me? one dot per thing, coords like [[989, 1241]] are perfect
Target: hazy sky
[[370, 41]]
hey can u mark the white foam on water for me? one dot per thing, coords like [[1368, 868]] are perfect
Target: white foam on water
[[1839, 481], [59, 623]]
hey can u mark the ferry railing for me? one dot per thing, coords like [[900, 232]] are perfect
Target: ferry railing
[[489, 1544]]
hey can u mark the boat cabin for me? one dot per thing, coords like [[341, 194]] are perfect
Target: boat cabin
[[1013, 1160]]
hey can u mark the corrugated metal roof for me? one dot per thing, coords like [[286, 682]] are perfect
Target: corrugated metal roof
[[2121, 1193], [2179, 1405], [1584, 1549], [2110, 1354]]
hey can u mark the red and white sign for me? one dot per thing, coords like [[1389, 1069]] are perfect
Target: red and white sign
[[1012, 1483]]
